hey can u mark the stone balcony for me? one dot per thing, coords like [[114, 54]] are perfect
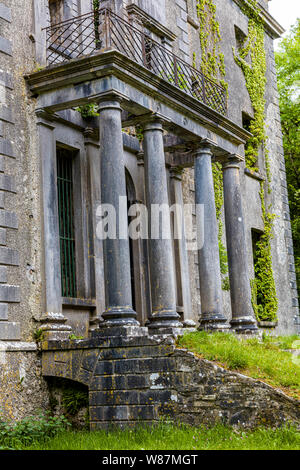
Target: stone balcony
[[95, 54]]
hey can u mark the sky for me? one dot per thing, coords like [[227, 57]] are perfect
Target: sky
[[285, 12]]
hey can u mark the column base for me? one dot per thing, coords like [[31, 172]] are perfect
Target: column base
[[120, 331], [54, 327], [245, 326], [164, 320], [214, 322], [119, 316]]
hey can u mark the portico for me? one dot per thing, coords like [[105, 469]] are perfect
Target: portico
[[180, 130]]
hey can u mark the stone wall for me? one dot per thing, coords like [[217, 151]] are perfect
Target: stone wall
[[142, 379], [23, 390]]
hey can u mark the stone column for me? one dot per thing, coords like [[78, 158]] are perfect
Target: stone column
[[180, 249], [212, 317], [243, 320], [95, 252], [119, 310], [161, 260]]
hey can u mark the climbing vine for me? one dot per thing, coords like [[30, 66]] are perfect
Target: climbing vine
[[219, 199], [264, 299], [212, 65], [212, 59], [251, 58]]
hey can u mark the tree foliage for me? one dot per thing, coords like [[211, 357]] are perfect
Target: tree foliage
[[288, 70]]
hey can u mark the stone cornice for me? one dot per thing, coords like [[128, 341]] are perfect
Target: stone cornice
[[271, 25]]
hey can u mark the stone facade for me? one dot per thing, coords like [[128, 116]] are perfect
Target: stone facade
[[37, 116]]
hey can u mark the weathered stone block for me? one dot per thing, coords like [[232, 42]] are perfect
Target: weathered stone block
[[6, 79], [3, 312], [157, 365], [125, 366], [9, 293], [3, 274], [9, 220], [89, 360], [5, 46], [150, 397], [7, 183], [114, 398], [116, 382], [137, 381], [142, 412], [104, 368], [5, 12], [10, 331]]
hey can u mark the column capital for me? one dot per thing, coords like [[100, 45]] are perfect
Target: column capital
[[205, 146], [152, 121], [44, 118], [176, 172], [233, 161], [110, 99]]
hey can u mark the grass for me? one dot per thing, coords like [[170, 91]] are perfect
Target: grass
[[261, 359], [171, 437]]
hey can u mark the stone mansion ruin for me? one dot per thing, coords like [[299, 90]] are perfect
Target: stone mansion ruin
[[144, 99]]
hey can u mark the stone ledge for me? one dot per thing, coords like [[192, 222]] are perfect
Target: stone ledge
[[17, 346]]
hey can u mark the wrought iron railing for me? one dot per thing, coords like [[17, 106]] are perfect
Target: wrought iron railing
[[92, 33]]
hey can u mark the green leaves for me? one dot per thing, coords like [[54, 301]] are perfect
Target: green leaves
[[29, 430], [251, 58], [264, 297]]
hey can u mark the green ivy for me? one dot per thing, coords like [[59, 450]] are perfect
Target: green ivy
[[219, 200], [212, 60], [88, 110], [212, 65], [264, 299], [251, 59]]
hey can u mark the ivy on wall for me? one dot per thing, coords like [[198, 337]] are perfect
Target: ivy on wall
[[212, 59], [212, 65], [219, 200], [264, 299], [251, 58]]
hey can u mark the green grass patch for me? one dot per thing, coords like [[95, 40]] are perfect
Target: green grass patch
[[261, 359], [171, 437]]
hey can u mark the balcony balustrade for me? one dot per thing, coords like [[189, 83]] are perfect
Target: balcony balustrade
[[101, 30]]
